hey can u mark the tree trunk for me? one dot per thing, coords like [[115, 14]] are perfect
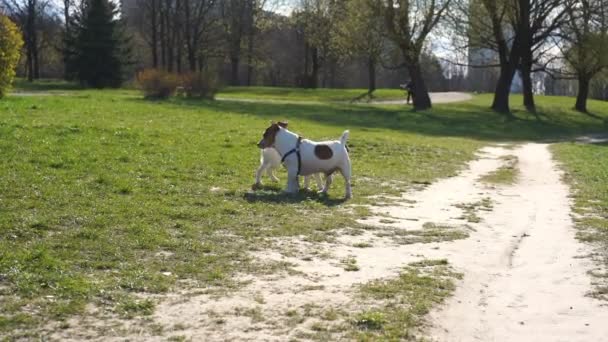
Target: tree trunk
[[177, 35], [66, 35], [304, 82], [170, 42], [583, 93], [154, 42], [314, 75], [163, 41], [503, 88], [528, 91], [371, 75], [421, 96], [234, 70], [250, 59], [36, 58], [525, 33], [30, 65], [188, 34]]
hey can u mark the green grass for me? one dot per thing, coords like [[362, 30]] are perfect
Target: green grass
[[105, 197], [306, 95], [505, 174], [404, 301], [586, 168]]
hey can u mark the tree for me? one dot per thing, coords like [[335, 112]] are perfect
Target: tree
[[357, 33], [28, 14], [198, 27], [97, 47], [586, 51], [10, 48], [314, 23], [535, 22], [67, 7], [235, 18], [408, 24]]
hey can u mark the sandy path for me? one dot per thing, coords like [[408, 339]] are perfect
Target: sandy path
[[439, 97], [524, 278], [445, 97]]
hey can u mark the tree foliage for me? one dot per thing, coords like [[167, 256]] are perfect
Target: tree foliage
[[586, 44], [97, 47], [10, 49]]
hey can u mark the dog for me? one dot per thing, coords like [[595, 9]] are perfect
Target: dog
[[303, 157], [270, 160]]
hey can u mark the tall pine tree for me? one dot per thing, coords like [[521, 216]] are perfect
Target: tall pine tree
[[97, 47]]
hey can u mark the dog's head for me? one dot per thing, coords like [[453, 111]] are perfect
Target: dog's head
[[270, 134]]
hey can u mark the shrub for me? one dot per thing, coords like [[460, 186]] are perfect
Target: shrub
[[10, 49], [199, 85], [157, 84]]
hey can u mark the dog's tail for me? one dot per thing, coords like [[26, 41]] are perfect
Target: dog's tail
[[344, 137]]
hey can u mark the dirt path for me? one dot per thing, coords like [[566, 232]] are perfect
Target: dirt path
[[439, 97], [524, 279], [445, 97], [524, 275]]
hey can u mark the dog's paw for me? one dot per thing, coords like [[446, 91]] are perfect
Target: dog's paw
[[256, 186]]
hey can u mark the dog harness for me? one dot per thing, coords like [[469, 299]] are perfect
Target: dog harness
[[295, 150]]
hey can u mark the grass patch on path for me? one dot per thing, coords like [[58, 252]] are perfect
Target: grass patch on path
[[505, 174], [403, 301]]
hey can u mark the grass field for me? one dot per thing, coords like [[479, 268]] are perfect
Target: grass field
[[104, 195], [308, 95], [586, 168]]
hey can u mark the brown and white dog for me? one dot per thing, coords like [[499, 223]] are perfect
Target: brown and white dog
[[303, 157], [270, 160]]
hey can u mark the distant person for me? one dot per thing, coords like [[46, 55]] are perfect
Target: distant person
[[409, 89]]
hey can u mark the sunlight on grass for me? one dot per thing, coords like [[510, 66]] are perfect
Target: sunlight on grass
[[105, 196]]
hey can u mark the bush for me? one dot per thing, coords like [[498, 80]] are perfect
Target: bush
[[199, 85], [10, 49], [157, 84]]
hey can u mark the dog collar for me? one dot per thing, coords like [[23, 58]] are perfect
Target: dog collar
[[295, 150]]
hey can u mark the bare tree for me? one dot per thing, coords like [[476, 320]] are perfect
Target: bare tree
[[235, 17], [535, 22], [197, 28]]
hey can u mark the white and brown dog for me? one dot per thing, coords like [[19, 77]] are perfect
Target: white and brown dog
[[304, 157], [270, 160]]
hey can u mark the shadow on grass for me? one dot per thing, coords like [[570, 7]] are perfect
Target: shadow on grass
[[269, 194], [468, 119], [21, 85]]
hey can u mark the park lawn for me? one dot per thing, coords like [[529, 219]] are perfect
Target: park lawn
[[586, 167], [284, 94], [105, 196]]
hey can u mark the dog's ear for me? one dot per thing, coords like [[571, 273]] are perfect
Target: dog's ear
[[283, 124]]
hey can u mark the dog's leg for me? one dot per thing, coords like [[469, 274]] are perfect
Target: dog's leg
[[271, 174], [318, 180], [328, 180], [293, 186], [258, 176], [346, 172]]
